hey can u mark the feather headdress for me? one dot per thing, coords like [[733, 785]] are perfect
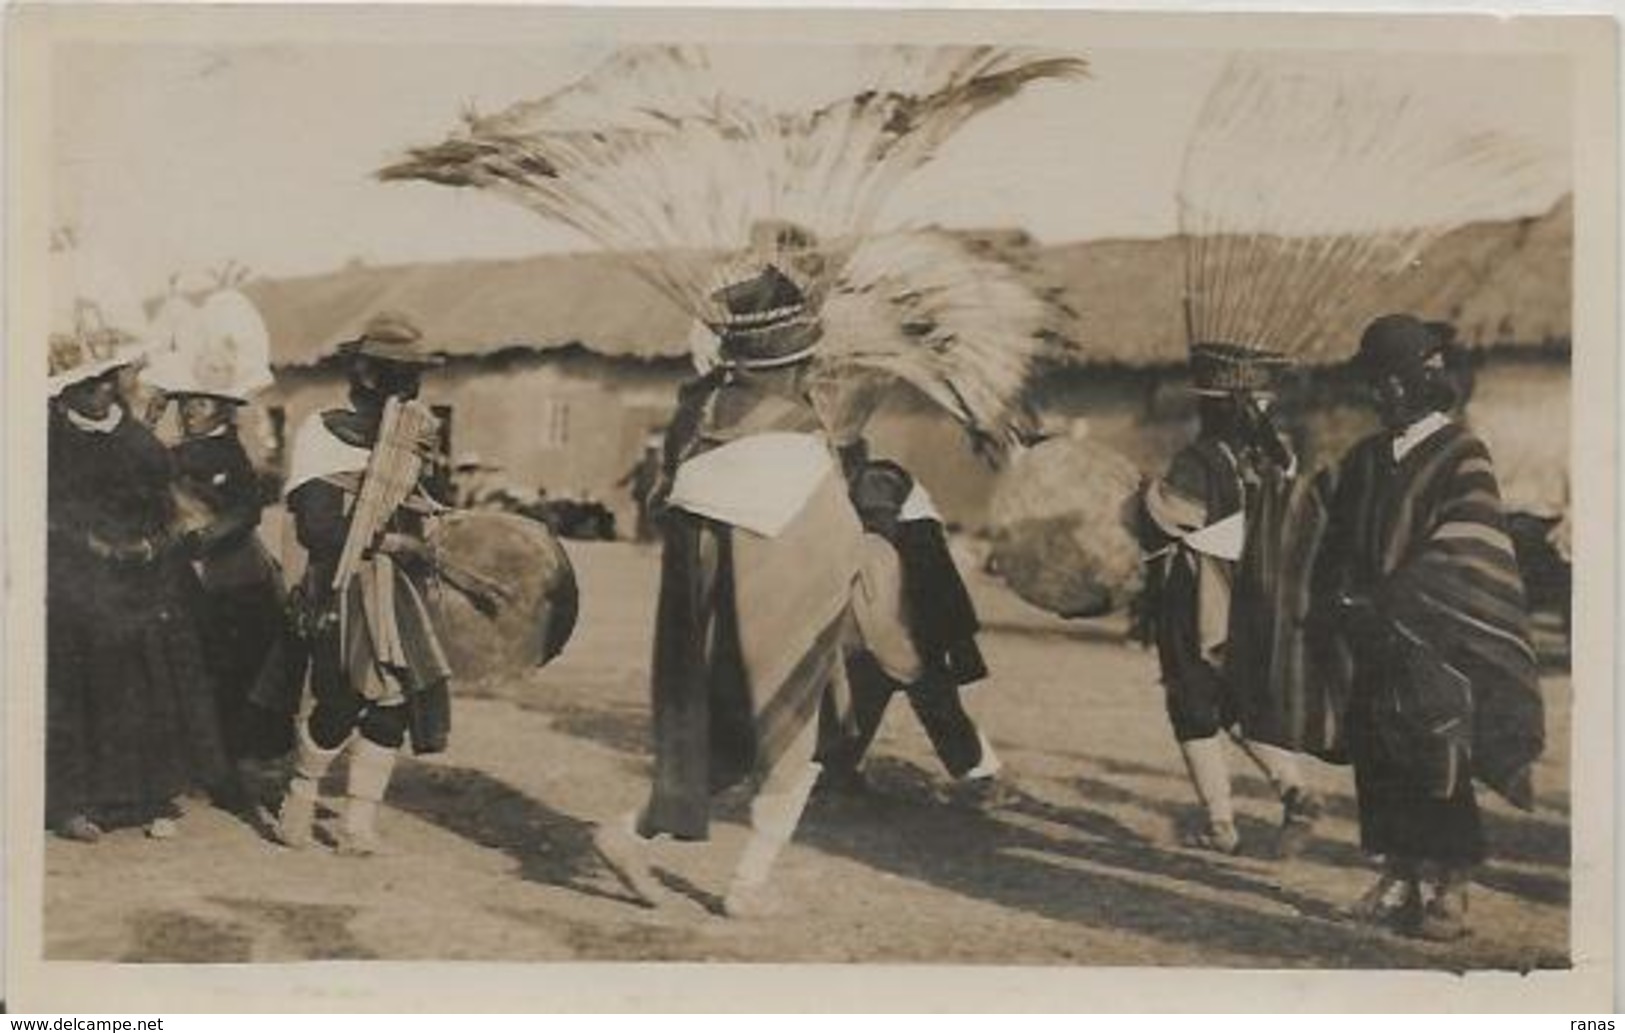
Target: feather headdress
[[699, 184], [1308, 189]]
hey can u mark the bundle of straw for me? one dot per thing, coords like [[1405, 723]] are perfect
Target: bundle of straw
[[507, 598], [1063, 519]]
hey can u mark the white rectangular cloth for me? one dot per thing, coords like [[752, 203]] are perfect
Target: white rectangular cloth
[[759, 483]]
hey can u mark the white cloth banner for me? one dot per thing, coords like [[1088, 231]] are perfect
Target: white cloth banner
[[757, 483]]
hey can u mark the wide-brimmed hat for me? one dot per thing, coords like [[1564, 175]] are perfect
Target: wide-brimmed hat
[[1226, 369], [766, 321], [220, 349], [1400, 345], [76, 358], [391, 337], [213, 369]]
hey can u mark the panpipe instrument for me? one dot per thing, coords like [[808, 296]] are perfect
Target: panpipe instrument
[[392, 473]]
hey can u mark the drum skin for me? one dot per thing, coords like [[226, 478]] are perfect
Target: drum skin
[[521, 627], [1062, 523]]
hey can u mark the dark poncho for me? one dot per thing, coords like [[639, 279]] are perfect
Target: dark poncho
[[342, 655], [131, 718], [1424, 538], [1193, 598], [245, 635]]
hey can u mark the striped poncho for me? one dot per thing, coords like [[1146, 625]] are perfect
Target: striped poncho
[[1423, 537]]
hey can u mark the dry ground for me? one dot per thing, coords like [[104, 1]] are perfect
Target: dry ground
[[490, 859]]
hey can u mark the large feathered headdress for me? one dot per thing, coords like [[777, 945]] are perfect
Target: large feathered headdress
[[701, 186], [1311, 188]]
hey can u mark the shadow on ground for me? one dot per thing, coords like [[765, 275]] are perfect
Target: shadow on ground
[[550, 847], [1100, 882]]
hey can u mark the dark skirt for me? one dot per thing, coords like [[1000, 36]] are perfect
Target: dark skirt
[[242, 629], [131, 718], [1402, 814]]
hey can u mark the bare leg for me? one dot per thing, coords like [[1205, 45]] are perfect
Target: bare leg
[[1280, 766], [1300, 808]]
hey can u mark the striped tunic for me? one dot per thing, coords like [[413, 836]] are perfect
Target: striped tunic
[[1424, 538]]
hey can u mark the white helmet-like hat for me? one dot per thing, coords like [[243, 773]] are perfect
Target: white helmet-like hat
[[225, 353]]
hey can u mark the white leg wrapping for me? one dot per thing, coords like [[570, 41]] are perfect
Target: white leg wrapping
[[1210, 775], [371, 767], [298, 815]]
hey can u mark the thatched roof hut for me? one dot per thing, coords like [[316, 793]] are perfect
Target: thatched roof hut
[[1500, 283]]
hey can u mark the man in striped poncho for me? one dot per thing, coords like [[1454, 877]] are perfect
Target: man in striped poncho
[[1425, 598]]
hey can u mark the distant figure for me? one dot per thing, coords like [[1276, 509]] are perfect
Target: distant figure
[[1213, 532], [131, 724], [915, 633], [1419, 584], [641, 480]]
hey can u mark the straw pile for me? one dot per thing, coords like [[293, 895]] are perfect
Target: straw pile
[[507, 599], [1063, 528]]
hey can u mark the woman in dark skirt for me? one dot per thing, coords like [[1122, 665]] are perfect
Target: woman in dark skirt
[[240, 616], [131, 718]]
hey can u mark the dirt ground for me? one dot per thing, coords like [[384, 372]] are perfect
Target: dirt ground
[[489, 855]]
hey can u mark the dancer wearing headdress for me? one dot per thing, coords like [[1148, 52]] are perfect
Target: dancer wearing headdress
[[1419, 585], [761, 548], [1212, 530]]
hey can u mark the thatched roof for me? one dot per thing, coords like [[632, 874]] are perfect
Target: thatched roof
[[477, 307], [1500, 283]]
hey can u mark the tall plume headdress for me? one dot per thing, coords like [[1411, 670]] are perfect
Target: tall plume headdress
[[700, 185], [1308, 190]]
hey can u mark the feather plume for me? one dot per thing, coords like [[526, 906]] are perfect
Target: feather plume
[[1307, 190], [696, 183]]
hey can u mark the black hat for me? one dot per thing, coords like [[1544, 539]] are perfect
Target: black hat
[[1398, 344], [391, 337], [1223, 369], [766, 321]]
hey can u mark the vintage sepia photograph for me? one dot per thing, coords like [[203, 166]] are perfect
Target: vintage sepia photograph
[[556, 487]]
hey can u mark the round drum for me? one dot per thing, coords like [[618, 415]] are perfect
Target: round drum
[[1063, 521], [507, 598]]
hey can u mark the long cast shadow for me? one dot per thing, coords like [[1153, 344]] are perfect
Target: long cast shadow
[[985, 858], [551, 847], [624, 729]]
